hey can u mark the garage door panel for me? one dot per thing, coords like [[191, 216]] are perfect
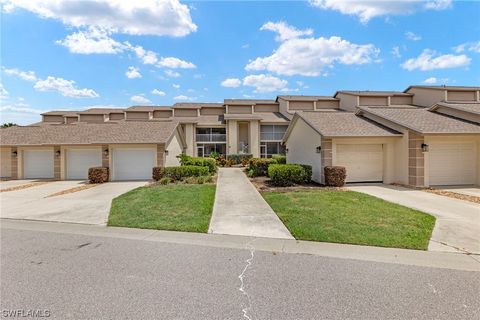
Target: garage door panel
[[452, 163], [133, 164], [364, 163], [38, 164], [78, 161]]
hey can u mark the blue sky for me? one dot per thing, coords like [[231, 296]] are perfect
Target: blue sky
[[77, 54]]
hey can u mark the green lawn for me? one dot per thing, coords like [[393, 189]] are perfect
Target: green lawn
[[171, 207], [351, 217]]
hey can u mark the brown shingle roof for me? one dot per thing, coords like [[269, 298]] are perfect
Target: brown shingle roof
[[453, 88], [368, 93], [213, 120], [306, 98], [344, 124], [466, 107], [146, 108], [60, 113], [422, 120], [89, 133], [101, 110], [248, 101], [196, 105]]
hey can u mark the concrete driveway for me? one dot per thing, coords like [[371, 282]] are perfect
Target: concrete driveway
[[457, 228], [90, 206]]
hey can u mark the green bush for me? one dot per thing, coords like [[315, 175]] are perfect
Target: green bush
[[308, 173], [280, 159], [210, 163], [259, 166], [165, 181], [179, 173], [284, 175], [237, 158]]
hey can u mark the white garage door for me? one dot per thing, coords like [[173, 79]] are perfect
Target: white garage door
[[364, 162], [451, 163], [38, 164], [133, 163], [78, 161]]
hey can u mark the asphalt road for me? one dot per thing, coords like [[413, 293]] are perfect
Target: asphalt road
[[89, 277]]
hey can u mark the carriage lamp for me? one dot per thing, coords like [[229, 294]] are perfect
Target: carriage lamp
[[105, 152], [14, 153], [166, 152], [57, 153], [318, 149], [424, 147]]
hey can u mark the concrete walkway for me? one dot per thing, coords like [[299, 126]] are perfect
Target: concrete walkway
[[239, 209], [457, 228]]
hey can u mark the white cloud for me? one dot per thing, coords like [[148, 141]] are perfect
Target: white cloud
[[412, 36], [285, 31], [231, 83], [184, 98], [3, 92], [468, 46], [21, 108], [176, 86], [433, 80], [158, 92], [431, 60], [309, 56], [396, 52], [246, 46], [94, 40], [175, 63], [264, 83], [172, 74], [367, 10], [133, 73], [64, 87], [139, 99], [24, 75], [153, 17]]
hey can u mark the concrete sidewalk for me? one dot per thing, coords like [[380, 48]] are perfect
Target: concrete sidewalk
[[457, 228], [239, 209], [432, 259]]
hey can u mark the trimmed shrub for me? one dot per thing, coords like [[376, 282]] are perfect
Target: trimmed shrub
[[237, 158], [179, 173], [308, 173], [335, 176], [284, 175], [98, 174], [165, 181], [210, 163], [259, 166], [280, 159]]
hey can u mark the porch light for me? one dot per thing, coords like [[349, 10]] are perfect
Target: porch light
[[424, 147], [57, 153], [166, 152], [14, 153], [286, 150], [318, 149], [105, 152]]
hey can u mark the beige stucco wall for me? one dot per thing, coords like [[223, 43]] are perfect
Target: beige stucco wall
[[91, 117], [47, 118], [427, 97], [117, 116], [205, 111], [162, 114], [348, 102], [190, 139], [5, 162], [389, 157], [460, 114], [282, 105], [300, 105], [69, 120], [137, 115], [246, 109], [429, 139], [327, 104], [255, 138], [373, 101], [461, 95], [266, 108], [401, 100], [185, 112], [174, 148], [301, 144], [232, 137]]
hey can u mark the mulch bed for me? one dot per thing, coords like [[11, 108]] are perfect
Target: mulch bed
[[445, 193], [72, 190], [25, 186], [263, 185]]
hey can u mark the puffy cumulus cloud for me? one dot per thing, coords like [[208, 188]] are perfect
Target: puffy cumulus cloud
[[473, 46], [148, 17], [172, 74], [24, 75], [367, 10], [139, 99], [92, 41], [285, 31], [184, 98], [434, 80], [396, 52], [309, 56], [3, 92], [158, 92], [133, 73], [431, 60], [175, 63], [150, 57], [65, 87], [264, 83], [231, 83]]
